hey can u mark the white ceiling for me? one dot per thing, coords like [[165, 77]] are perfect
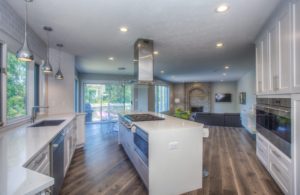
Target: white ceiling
[[184, 33]]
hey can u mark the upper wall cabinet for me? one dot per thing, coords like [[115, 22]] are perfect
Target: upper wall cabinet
[[296, 44], [259, 70], [274, 57], [266, 69], [274, 61], [283, 83]]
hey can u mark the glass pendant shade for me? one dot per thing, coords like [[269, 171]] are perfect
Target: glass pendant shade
[[47, 68], [59, 75], [24, 53]]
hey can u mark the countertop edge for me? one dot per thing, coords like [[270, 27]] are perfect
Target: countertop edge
[[37, 182]]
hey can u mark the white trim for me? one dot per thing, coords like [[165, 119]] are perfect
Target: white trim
[[4, 91], [17, 120]]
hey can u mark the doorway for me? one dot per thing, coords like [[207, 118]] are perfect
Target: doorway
[[103, 102]]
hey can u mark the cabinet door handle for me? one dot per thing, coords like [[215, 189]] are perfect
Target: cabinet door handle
[[274, 83], [276, 154], [276, 168], [260, 86], [55, 145], [40, 160], [277, 82]]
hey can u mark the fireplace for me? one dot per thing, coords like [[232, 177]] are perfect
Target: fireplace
[[197, 109], [197, 97]]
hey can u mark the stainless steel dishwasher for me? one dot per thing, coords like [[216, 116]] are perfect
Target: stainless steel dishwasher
[[57, 162]]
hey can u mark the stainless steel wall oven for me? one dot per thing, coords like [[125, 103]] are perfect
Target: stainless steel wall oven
[[273, 120]]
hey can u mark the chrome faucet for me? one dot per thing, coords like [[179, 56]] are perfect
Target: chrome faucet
[[33, 112]]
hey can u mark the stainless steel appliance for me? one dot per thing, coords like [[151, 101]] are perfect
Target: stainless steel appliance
[[140, 137], [127, 120], [273, 121], [57, 162]]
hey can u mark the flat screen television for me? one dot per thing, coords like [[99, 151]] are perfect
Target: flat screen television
[[223, 97]]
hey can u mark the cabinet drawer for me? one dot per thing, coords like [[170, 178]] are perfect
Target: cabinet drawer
[[280, 158], [262, 141], [40, 160], [141, 168], [280, 174], [262, 155], [279, 167], [262, 151]]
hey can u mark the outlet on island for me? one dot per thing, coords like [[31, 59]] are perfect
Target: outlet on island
[[173, 145]]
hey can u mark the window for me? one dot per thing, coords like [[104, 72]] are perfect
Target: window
[[36, 97], [76, 96], [16, 87], [36, 85], [162, 95]]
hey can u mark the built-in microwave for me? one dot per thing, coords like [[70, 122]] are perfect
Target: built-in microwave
[[273, 120]]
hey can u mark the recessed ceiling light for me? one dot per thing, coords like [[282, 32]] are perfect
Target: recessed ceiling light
[[155, 52], [111, 58], [222, 8], [219, 45], [123, 29], [224, 74], [162, 72], [226, 67]]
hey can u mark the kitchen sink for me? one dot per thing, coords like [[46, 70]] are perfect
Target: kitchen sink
[[47, 123]]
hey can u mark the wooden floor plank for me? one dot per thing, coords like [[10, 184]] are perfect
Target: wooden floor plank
[[102, 167]]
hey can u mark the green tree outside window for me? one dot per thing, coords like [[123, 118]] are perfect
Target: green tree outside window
[[16, 87]]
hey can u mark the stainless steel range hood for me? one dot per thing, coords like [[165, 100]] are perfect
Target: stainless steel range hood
[[143, 61]]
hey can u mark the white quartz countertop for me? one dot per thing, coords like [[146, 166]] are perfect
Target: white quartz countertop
[[170, 123], [20, 145]]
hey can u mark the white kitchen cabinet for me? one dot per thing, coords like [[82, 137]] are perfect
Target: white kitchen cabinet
[[69, 145], [296, 141], [266, 70], [274, 54], [80, 129], [259, 69], [262, 149], [66, 148], [277, 163], [285, 50], [126, 139], [280, 169], [274, 57], [296, 48], [41, 162]]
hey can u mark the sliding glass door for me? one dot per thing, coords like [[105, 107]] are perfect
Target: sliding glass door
[[103, 102]]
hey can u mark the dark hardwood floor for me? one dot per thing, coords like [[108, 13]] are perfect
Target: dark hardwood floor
[[102, 167]]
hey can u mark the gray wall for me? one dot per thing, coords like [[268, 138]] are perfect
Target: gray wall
[[224, 107], [104, 77], [179, 90], [12, 32], [247, 84]]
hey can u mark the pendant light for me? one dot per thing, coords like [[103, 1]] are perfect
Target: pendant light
[[47, 68], [24, 53], [59, 75]]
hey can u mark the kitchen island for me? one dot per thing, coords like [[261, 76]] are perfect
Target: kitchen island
[[167, 152]]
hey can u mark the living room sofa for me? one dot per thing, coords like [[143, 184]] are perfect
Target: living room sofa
[[219, 119]]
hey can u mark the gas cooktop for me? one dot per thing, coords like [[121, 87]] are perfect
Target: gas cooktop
[[143, 117]]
